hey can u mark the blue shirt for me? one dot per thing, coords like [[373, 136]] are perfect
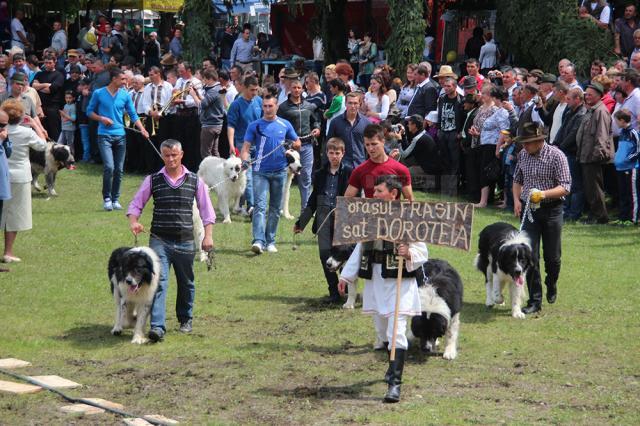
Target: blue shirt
[[242, 112], [626, 157], [490, 131], [353, 137], [265, 136], [112, 107], [242, 51]]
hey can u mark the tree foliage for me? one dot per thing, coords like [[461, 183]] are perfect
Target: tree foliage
[[541, 33], [406, 41], [197, 32]]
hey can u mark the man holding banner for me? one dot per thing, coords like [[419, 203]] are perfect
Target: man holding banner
[[378, 164], [377, 263]]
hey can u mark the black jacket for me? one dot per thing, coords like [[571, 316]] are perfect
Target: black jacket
[[319, 180], [301, 116], [566, 136], [424, 101]]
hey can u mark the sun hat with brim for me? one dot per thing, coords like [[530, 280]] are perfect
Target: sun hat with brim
[[597, 87], [168, 60], [548, 78], [432, 117], [290, 73], [446, 71], [19, 77], [531, 132], [470, 82]]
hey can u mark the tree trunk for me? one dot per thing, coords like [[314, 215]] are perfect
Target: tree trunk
[[334, 27]]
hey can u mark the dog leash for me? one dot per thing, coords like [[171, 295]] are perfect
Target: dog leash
[[526, 214]]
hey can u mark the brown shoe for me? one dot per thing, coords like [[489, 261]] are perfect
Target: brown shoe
[[4, 270]]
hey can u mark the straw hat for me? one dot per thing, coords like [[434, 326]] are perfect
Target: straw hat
[[446, 71]]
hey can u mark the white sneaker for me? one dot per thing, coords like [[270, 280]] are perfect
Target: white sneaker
[[108, 205], [271, 248], [116, 205], [257, 248]]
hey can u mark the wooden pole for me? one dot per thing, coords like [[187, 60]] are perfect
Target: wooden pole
[[392, 357]]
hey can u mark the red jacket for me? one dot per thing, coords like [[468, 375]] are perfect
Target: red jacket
[[609, 102]]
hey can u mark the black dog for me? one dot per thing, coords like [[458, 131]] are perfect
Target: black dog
[[441, 292], [133, 274], [504, 255]]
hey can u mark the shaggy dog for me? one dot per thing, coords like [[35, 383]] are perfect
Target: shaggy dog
[[504, 255], [54, 158], [227, 179], [293, 158], [133, 274], [339, 256], [441, 291]]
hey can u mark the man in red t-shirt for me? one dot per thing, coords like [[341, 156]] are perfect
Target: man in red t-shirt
[[378, 164]]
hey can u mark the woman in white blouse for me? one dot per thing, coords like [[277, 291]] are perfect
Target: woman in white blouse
[[376, 101], [16, 213]]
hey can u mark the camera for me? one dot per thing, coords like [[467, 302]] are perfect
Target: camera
[[397, 128], [536, 99]]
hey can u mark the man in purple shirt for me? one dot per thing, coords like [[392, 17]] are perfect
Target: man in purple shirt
[[174, 189]]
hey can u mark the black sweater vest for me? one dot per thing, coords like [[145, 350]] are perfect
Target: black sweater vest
[[389, 265], [173, 208]]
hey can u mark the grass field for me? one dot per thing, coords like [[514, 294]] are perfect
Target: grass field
[[265, 351]]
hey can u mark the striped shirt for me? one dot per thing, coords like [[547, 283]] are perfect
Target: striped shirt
[[544, 170]]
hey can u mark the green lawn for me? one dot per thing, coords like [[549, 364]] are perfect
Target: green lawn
[[265, 351]]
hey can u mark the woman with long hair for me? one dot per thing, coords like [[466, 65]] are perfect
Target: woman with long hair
[[407, 91], [376, 101]]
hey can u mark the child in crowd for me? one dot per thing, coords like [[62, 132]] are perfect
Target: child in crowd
[[626, 163], [68, 115], [337, 107], [82, 121], [329, 182]]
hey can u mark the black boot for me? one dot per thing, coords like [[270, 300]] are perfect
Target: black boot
[[396, 367]]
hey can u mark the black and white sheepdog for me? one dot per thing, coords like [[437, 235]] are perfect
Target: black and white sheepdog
[[441, 291], [504, 255], [53, 159], [134, 274]]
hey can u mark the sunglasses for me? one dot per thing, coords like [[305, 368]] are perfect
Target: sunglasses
[[3, 125]]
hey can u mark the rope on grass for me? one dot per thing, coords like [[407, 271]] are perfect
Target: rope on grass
[[81, 400]]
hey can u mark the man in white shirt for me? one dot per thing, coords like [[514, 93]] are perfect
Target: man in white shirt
[[18, 34], [568, 75], [629, 84], [59, 40], [188, 127], [156, 95]]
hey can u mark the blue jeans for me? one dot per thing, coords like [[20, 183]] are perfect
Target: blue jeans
[[248, 191], [267, 184], [112, 150], [304, 179], [84, 138], [181, 256], [574, 202]]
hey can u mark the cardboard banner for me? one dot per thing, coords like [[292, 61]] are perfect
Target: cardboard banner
[[367, 219]]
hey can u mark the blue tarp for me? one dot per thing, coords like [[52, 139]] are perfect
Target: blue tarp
[[239, 7]]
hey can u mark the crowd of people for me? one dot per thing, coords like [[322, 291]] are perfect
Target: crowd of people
[[455, 134], [503, 134]]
